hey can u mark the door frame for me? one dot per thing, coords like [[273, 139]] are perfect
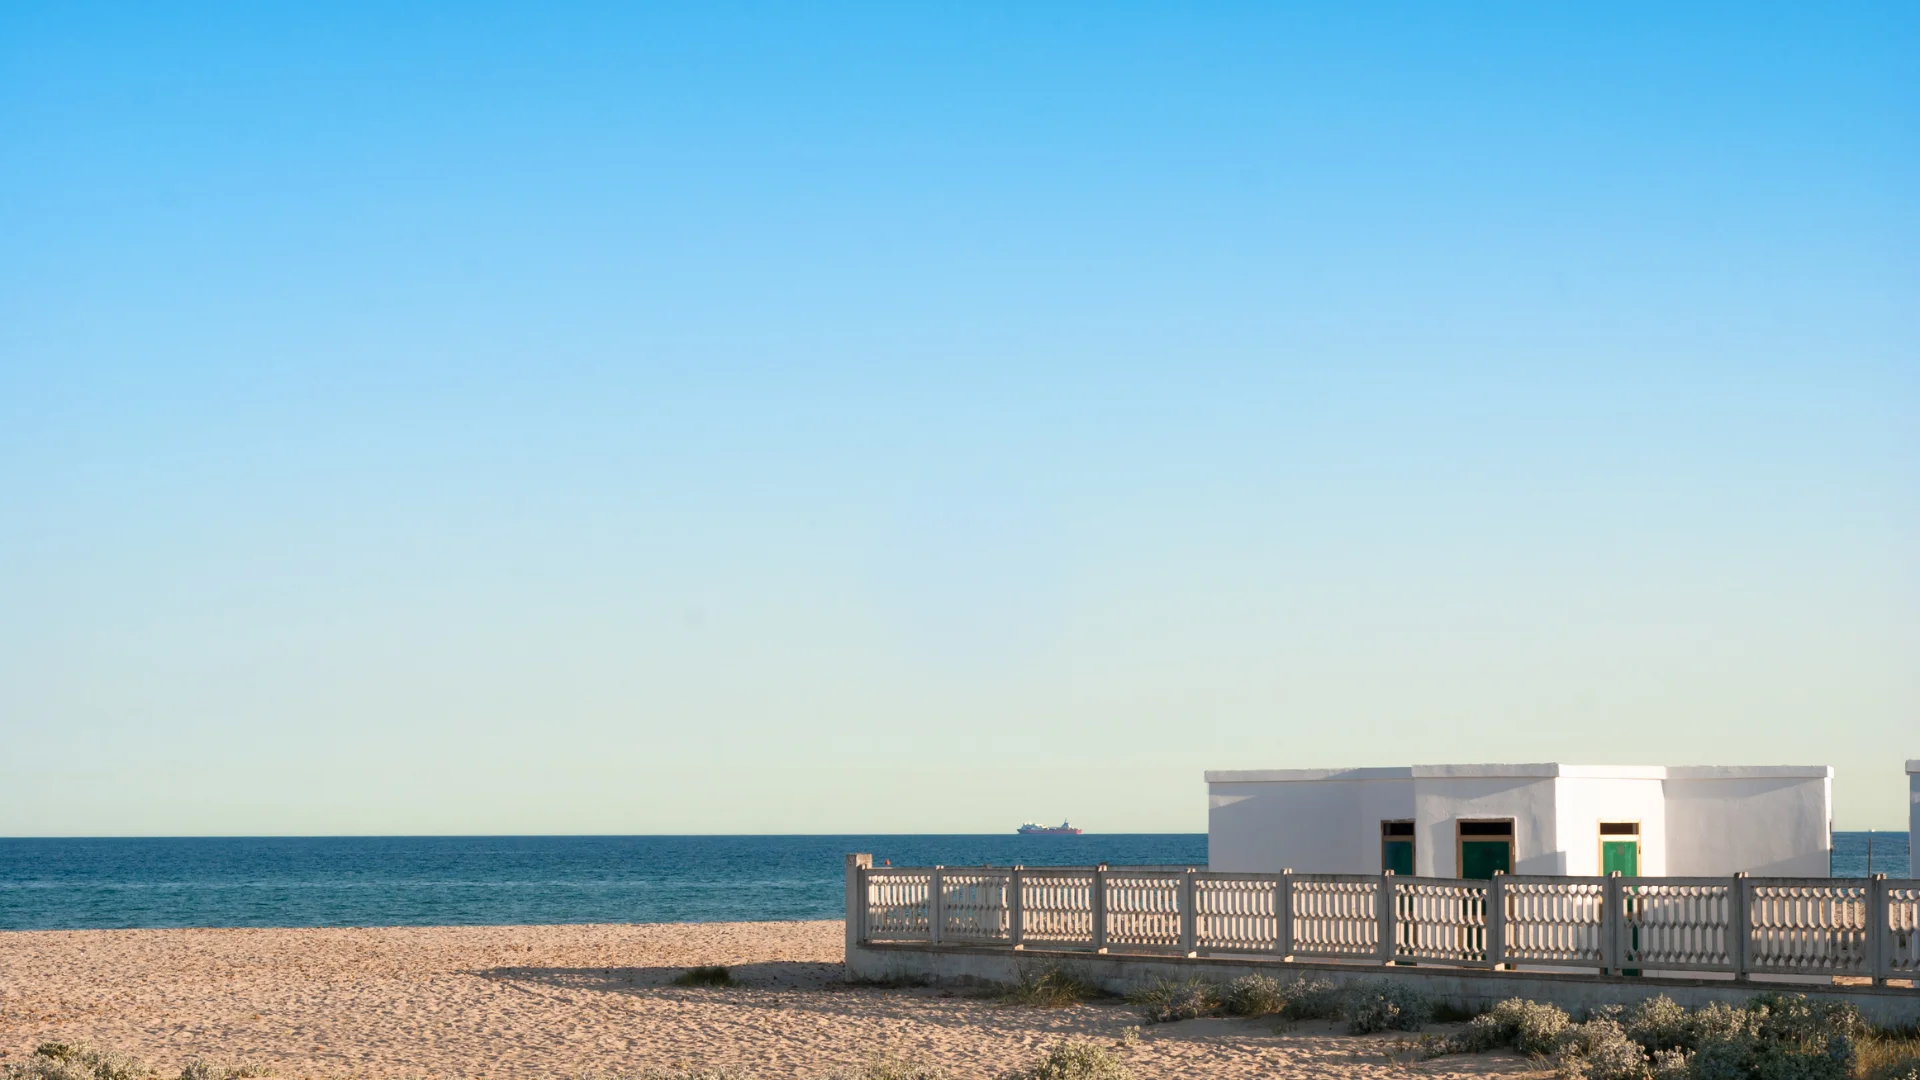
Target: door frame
[[1603, 839], [1460, 842], [1410, 839]]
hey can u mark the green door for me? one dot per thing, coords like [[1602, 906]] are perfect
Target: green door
[[1624, 856], [1396, 856], [1480, 858], [1621, 855]]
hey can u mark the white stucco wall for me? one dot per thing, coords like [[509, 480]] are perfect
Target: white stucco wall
[[1770, 821], [1586, 796], [1316, 821], [1913, 819], [1694, 821], [1443, 794]]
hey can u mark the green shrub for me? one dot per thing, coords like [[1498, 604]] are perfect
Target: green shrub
[[1253, 995], [1051, 987], [1670, 1065], [202, 1069], [1658, 1023], [1164, 1001], [1311, 999], [705, 975], [1385, 1005], [77, 1061], [1599, 1050], [890, 1067], [1076, 1059], [1529, 1027]]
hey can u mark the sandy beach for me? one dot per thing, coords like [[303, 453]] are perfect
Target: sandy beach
[[572, 1000]]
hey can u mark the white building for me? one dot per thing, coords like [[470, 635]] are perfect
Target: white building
[[1913, 819], [1467, 820]]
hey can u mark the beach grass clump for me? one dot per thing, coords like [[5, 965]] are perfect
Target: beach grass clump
[[1385, 1005], [1253, 995], [1890, 1055], [891, 1067], [1600, 1050], [1076, 1059], [1527, 1026], [1053, 987], [1774, 1036], [203, 1069], [77, 1061], [1166, 1001], [705, 975]]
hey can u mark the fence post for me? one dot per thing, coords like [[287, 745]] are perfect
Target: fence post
[[1612, 920], [1384, 913], [856, 904], [1283, 913], [1099, 900], [1877, 928], [1016, 907], [936, 904], [1189, 915], [1497, 920], [1739, 929]]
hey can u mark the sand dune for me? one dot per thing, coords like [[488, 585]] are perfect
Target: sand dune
[[564, 1000]]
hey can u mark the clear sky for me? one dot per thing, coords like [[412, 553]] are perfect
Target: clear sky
[[806, 418]]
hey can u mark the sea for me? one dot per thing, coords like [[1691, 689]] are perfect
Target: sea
[[73, 884]]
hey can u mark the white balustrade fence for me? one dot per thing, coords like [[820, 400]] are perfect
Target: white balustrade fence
[[1863, 927]]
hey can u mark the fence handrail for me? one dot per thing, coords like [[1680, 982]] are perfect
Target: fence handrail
[[1744, 925]]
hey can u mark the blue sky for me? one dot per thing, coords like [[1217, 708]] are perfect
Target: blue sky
[[560, 418]]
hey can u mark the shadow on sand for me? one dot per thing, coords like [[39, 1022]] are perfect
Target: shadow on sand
[[772, 975]]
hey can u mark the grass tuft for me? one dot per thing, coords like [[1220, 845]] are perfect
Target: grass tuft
[[705, 975], [1076, 1059], [1052, 987], [1166, 1001]]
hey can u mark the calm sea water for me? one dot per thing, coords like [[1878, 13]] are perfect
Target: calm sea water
[[436, 881], [461, 880]]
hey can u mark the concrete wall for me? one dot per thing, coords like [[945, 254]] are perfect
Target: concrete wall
[[1770, 821], [1442, 794], [1913, 819], [1465, 987], [1582, 802], [1312, 821]]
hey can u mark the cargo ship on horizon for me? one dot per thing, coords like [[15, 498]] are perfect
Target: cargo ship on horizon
[[1062, 829]]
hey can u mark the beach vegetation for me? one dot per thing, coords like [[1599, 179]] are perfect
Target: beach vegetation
[[1888, 1055], [1773, 1036], [1165, 1001], [706, 975], [892, 1067], [1385, 1005], [1052, 987], [80, 1061], [1076, 1059]]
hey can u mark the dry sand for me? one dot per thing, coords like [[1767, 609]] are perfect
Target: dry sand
[[528, 1001]]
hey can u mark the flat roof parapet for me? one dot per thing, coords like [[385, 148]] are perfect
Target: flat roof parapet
[[1531, 770]]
